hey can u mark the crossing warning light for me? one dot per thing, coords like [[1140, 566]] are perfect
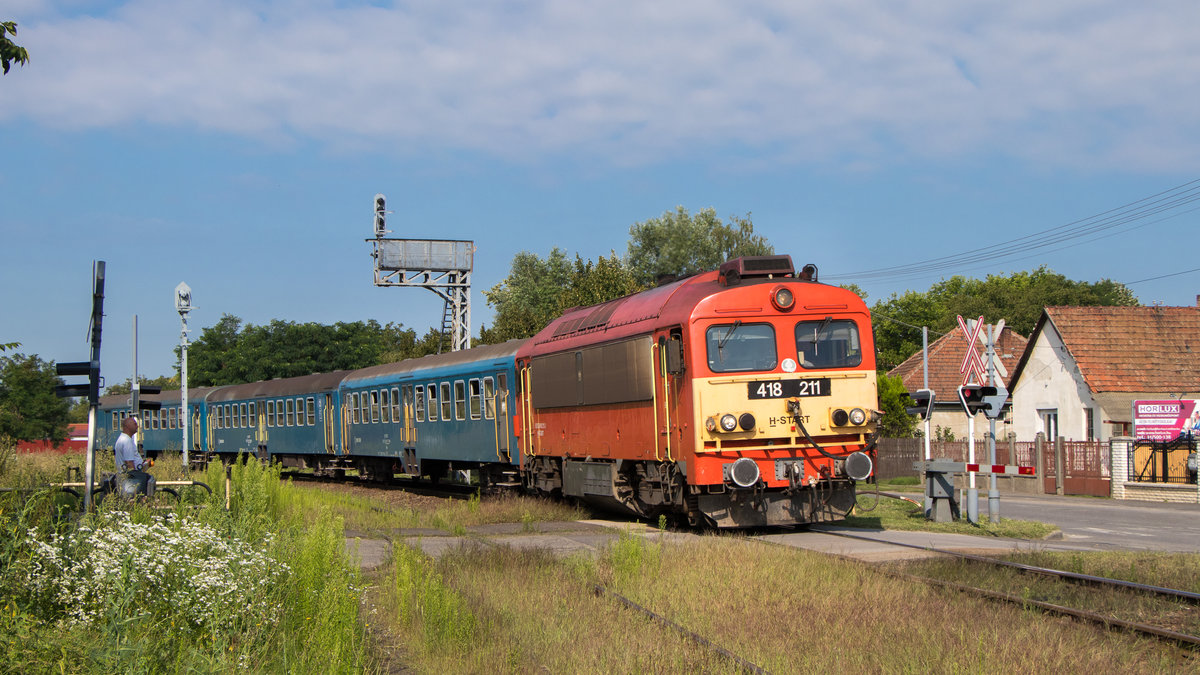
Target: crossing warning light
[[989, 400], [922, 400]]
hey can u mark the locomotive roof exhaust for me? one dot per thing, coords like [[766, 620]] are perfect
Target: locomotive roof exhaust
[[762, 266]]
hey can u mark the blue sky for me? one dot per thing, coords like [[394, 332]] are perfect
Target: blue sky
[[236, 145]]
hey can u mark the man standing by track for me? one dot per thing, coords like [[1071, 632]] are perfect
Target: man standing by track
[[126, 451]]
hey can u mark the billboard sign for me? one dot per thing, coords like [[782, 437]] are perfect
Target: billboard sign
[[1166, 420]]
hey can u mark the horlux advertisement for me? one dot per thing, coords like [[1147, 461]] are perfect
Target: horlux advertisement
[[1166, 420]]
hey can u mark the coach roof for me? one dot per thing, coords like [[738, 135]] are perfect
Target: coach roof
[[485, 354], [290, 386]]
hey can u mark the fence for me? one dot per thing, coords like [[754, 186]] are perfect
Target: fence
[[1086, 467]]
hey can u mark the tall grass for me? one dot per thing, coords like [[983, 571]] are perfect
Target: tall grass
[[147, 569]]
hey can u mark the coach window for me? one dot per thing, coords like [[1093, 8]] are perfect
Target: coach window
[[460, 400], [171, 417], [447, 401], [828, 344], [291, 411], [115, 425], [354, 408], [271, 413], [431, 403], [476, 399], [374, 407], [737, 347], [278, 412], [396, 404], [244, 417], [365, 407], [311, 408], [489, 398], [220, 418], [253, 415], [420, 402], [385, 406]]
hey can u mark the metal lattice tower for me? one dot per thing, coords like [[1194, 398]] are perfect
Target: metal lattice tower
[[440, 265]]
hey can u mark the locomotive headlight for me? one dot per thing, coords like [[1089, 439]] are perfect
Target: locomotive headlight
[[782, 298], [746, 421], [858, 417], [728, 422], [710, 424]]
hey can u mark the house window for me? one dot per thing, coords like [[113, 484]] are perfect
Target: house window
[[1089, 421], [1049, 423]]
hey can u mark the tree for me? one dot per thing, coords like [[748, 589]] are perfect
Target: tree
[[166, 382], [9, 51], [1017, 298], [229, 353], [529, 297], [896, 422], [29, 409], [680, 244], [593, 283]]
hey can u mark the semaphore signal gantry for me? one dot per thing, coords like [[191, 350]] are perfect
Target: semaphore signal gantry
[[441, 265]]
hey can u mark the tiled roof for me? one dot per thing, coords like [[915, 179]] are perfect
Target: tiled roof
[[1131, 349], [946, 357]]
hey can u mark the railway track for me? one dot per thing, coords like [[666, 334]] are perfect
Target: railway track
[[421, 487], [1102, 585]]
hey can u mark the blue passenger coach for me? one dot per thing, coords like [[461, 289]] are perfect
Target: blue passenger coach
[[427, 415], [292, 420]]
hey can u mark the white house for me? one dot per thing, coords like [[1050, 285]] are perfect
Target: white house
[[1084, 367]]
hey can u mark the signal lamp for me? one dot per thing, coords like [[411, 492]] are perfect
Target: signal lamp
[[783, 299]]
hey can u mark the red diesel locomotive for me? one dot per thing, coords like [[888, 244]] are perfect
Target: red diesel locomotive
[[739, 397]]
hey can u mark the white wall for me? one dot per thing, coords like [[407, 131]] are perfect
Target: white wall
[[1051, 381]]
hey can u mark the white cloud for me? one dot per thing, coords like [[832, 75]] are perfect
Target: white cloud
[[1075, 83]]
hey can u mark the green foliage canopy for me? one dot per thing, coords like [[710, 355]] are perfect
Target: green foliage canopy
[[680, 244], [537, 290], [1017, 298], [229, 353], [29, 410], [10, 52], [896, 422]]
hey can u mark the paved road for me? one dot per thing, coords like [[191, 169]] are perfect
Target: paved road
[[1107, 524]]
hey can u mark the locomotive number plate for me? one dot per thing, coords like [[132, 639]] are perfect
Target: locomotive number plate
[[818, 386]]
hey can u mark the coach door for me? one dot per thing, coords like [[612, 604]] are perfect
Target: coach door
[[410, 428], [502, 421], [327, 422]]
